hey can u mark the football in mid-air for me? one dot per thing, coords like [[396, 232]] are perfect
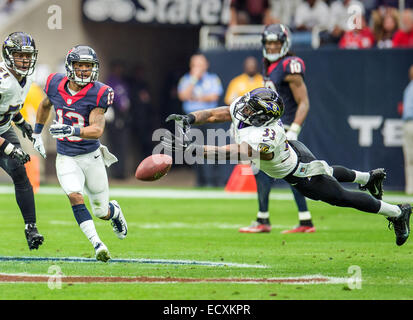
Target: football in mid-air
[[153, 167]]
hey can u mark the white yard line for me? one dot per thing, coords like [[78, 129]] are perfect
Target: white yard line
[[188, 194]]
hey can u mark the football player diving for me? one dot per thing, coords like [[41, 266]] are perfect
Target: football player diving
[[19, 59], [259, 131]]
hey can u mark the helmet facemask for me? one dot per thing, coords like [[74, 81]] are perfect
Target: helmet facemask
[[255, 112], [72, 72], [283, 35], [82, 54], [10, 48]]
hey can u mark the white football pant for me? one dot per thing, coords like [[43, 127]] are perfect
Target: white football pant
[[85, 172]]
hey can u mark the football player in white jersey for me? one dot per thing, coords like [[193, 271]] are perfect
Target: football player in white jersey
[[259, 131], [19, 58]]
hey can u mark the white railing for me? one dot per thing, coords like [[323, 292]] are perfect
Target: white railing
[[233, 37]]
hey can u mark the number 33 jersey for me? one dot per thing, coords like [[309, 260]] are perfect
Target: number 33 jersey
[[74, 110], [12, 96], [266, 140]]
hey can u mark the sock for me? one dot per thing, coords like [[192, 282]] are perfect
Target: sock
[[361, 177], [88, 228], [263, 217], [305, 218], [85, 222], [389, 210], [25, 201]]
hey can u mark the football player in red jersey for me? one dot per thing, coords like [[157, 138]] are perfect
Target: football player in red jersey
[[80, 102], [284, 72]]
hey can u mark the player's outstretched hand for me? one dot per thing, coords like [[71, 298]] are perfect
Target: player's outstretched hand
[[182, 120], [172, 143], [26, 129], [60, 130], [38, 144]]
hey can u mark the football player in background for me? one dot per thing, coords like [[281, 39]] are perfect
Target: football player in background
[[80, 102], [285, 72], [19, 59], [259, 131]]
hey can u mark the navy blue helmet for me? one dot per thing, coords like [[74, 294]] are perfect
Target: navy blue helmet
[[19, 42], [259, 107], [82, 54], [276, 32]]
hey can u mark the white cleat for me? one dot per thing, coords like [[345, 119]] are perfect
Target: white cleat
[[102, 252], [120, 227]]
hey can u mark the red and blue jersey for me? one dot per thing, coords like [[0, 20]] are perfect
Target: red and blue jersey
[[75, 110], [274, 76]]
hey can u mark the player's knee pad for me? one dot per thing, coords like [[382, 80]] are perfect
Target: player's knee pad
[[99, 209]]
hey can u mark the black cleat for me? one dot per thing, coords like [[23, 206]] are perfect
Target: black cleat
[[375, 183], [34, 238], [401, 224]]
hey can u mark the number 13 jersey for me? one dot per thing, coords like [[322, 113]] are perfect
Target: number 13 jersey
[[74, 110]]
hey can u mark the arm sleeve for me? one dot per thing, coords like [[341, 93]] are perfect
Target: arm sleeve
[[105, 97], [48, 81], [294, 65]]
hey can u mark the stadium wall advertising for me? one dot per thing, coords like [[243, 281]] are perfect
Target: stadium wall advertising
[[354, 97], [170, 12]]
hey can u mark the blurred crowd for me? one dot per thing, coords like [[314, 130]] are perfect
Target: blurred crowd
[[348, 24]]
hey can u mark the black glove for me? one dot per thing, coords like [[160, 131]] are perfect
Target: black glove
[[173, 143], [26, 129], [19, 155], [182, 120]]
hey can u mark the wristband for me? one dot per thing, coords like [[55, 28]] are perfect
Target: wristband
[[18, 118], [295, 128], [38, 127], [191, 118], [6, 147], [77, 132]]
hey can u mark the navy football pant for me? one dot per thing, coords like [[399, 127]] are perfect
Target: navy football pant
[[329, 189], [22, 186], [264, 184]]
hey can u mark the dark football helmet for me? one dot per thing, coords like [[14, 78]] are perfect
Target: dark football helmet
[[19, 42], [276, 32], [259, 107], [82, 54]]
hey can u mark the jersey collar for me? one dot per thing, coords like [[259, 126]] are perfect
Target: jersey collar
[[69, 99]]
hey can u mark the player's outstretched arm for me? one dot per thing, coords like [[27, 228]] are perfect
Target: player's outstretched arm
[[220, 114], [240, 152]]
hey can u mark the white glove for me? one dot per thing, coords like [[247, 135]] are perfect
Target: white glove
[[291, 135], [38, 144], [60, 130], [293, 132]]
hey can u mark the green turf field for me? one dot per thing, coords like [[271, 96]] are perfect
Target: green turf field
[[206, 230]]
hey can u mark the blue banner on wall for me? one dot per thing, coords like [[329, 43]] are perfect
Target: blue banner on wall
[[354, 95]]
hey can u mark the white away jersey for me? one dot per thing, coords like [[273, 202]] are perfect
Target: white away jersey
[[266, 139], [12, 96]]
